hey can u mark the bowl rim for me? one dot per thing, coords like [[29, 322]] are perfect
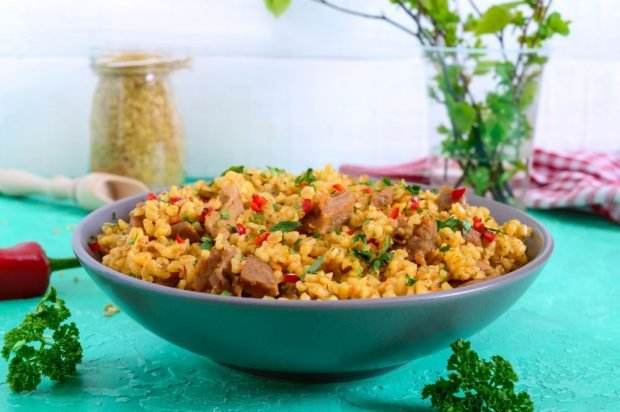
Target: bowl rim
[[80, 238]]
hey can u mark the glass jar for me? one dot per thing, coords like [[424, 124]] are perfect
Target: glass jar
[[135, 126], [482, 112]]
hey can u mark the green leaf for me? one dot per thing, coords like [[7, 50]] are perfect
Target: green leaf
[[225, 214], [275, 170], [494, 20], [410, 281], [463, 116], [452, 223], [386, 181], [315, 266], [528, 94], [444, 248], [277, 7], [484, 66], [557, 25], [363, 255], [285, 226], [206, 243], [479, 179], [414, 190], [307, 177], [236, 169], [466, 225]]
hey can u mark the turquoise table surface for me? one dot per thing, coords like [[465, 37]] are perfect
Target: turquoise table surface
[[563, 338]]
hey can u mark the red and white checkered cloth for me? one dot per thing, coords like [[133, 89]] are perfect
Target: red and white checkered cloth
[[573, 179]]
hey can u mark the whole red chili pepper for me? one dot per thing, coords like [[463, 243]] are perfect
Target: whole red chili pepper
[[25, 270]]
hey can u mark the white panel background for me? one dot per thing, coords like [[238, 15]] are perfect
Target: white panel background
[[311, 87]]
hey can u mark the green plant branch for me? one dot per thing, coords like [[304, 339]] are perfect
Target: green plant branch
[[367, 15]]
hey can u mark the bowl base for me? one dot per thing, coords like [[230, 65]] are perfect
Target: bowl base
[[314, 377]]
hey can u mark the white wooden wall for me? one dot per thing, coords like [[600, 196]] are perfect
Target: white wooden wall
[[314, 86]]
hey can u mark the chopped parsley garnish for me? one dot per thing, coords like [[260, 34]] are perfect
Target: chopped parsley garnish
[[383, 257], [226, 293], [316, 235], [316, 265], [477, 384], [186, 218], [444, 248], [452, 223], [237, 169], [285, 226], [466, 224], [206, 243], [413, 189], [257, 216], [386, 181], [410, 281], [275, 170], [307, 178], [297, 244], [276, 207], [338, 231], [490, 229], [378, 261], [360, 237], [225, 214], [363, 255]]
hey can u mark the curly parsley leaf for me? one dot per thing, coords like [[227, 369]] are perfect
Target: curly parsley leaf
[[285, 226], [477, 384], [363, 255], [42, 345]]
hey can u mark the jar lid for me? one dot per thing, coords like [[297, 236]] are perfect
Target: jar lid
[[137, 62]]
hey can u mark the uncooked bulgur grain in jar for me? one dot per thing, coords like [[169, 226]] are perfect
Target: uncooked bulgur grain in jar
[[135, 126]]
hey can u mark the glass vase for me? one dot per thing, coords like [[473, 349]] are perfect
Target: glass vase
[[482, 112]]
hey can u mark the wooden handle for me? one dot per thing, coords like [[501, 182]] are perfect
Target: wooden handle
[[19, 183]]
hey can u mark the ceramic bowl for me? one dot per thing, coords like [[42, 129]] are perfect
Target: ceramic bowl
[[313, 340]]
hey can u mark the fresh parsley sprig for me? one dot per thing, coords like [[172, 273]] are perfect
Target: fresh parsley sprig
[[477, 384], [42, 345]]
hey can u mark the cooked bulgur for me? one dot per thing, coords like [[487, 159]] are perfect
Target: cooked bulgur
[[320, 235]]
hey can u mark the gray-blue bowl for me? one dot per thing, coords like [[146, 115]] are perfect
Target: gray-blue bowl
[[313, 340]]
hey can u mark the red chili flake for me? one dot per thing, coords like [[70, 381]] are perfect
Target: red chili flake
[[291, 278], [488, 236], [415, 203], [259, 200], [151, 196], [303, 184], [457, 194], [338, 187], [477, 223], [351, 232], [373, 241], [95, 246], [175, 199], [306, 205], [261, 238], [205, 212], [368, 190], [240, 229], [180, 239], [395, 212]]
